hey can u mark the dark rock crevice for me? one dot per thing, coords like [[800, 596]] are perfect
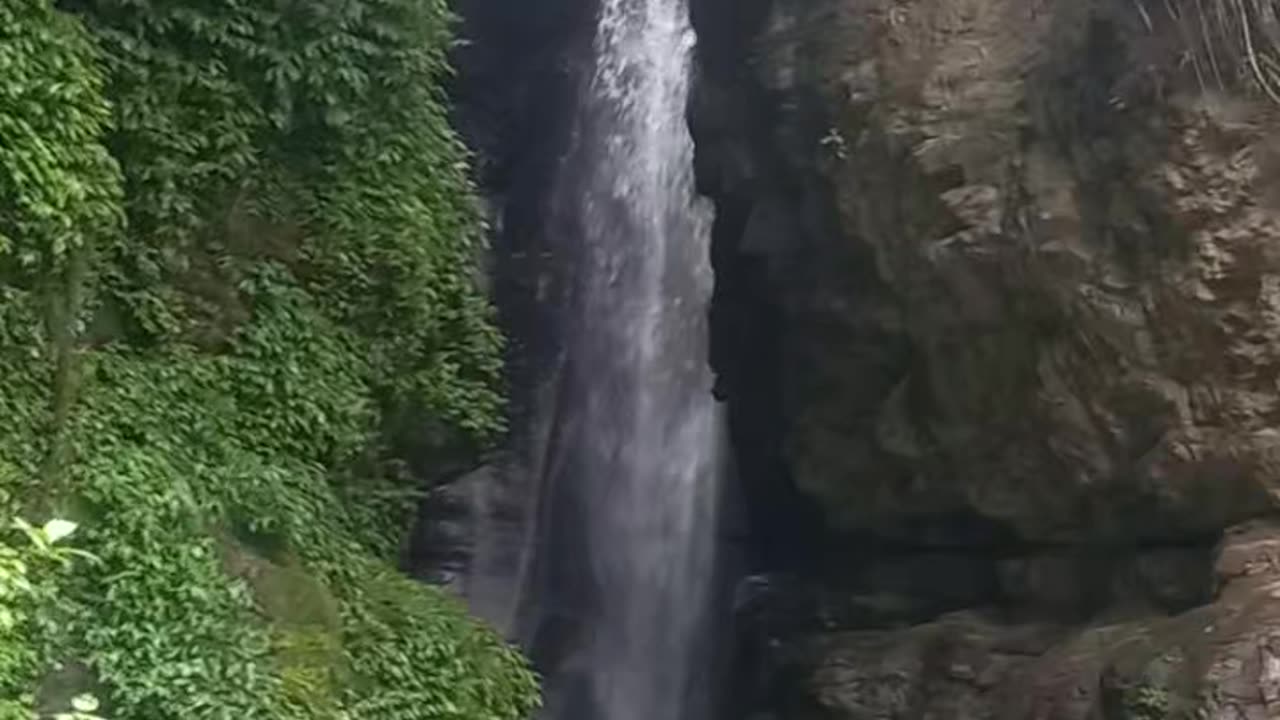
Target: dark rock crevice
[[756, 222], [518, 75], [519, 72]]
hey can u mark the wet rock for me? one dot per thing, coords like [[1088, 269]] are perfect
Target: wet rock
[[1079, 582], [1219, 660]]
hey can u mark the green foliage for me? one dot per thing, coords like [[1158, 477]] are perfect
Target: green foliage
[[29, 565], [392, 627], [327, 117], [59, 196], [58, 185], [172, 442], [26, 397], [1146, 702], [379, 181], [211, 391]]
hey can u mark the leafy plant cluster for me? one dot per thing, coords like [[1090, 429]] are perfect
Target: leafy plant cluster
[[59, 184], [59, 195], [28, 602], [326, 117], [237, 247], [243, 439]]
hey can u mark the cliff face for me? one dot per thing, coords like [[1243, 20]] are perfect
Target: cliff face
[[999, 303]]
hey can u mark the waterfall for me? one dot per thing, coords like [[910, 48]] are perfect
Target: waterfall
[[631, 471]]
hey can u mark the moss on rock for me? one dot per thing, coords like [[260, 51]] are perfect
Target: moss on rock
[[305, 626]]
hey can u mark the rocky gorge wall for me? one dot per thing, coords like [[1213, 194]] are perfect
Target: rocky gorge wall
[[997, 304], [996, 319]]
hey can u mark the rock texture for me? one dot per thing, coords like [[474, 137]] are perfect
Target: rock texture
[[999, 279], [519, 68], [1026, 268], [1219, 661]]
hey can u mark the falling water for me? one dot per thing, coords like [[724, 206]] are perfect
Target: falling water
[[637, 443]]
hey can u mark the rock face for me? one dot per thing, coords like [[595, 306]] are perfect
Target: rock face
[[1025, 268], [999, 280], [1218, 661], [519, 71]]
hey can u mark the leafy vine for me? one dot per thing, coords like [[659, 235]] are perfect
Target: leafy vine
[[237, 250]]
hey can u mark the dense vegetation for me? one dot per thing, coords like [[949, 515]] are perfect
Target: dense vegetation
[[237, 249]]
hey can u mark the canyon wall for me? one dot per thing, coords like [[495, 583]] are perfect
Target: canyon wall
[[997, 314]]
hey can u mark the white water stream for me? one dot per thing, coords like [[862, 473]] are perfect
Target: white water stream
[[646, 431]]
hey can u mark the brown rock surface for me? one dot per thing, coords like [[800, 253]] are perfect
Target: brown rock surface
[[1218, 661], [1020, 262], [1029, 271]]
